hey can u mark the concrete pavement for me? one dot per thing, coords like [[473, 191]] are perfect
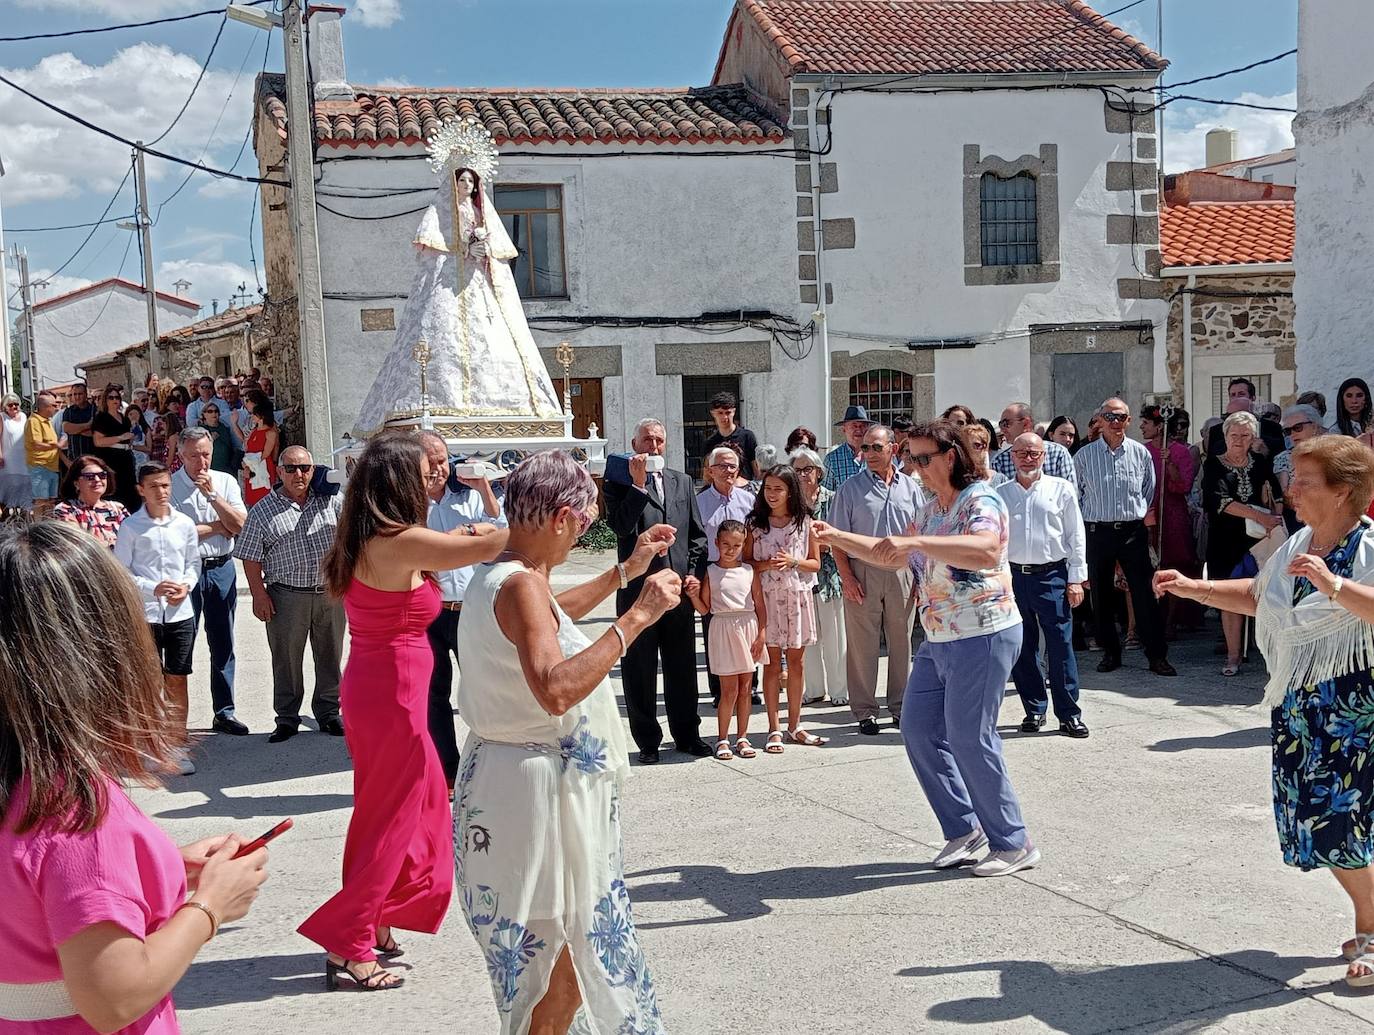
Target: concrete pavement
[[793, 893]]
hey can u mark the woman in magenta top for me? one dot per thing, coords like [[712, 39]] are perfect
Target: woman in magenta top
[[97, 926], [398, 854]]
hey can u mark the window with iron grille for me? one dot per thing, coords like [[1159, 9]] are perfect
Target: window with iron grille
[[885, 394], [1007, 220], [697, 423], [533, 215]]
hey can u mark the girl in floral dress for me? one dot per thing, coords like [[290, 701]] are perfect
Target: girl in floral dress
[[786, 559]]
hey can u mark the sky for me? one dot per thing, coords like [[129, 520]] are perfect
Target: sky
[[135, 81]]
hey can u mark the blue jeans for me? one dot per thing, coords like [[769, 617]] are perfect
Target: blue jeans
[[1043, 601], [215, 599], [949, 726]]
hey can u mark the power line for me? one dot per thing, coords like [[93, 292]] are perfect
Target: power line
[[69, 226], [366, 219], [1231, 71], [126, 25], [1228, 104], [221, 173], [205, 67], [109, 294], [118, 190]]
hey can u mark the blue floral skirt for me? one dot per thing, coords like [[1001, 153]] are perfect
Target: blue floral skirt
[[540, 867], [1323, 776]]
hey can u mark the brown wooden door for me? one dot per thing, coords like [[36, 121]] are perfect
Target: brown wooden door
[[586, 405]]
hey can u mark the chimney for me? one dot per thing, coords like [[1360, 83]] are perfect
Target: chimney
[[324, 40], [182, 287], [1221, 146]]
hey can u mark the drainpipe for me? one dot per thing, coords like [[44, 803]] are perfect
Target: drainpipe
[[820, 316], [1188, 351]]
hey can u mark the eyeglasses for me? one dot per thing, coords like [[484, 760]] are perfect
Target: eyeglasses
[[872, 447], [1116, 418], [725, 467], [1297, 427], [923, 459], [1028, 454], [297, 468], [1005, 422], [807, 469], [94, 476]]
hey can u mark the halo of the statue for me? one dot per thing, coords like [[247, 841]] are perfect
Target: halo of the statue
[[463, 144]]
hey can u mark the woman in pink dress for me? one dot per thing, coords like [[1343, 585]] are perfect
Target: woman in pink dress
[[97, 925], [398, 854]]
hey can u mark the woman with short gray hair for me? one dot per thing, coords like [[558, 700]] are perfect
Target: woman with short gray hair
[[15, 489], [537, 816], [1239, 492]]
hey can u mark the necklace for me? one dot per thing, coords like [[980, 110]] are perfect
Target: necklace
[[523, 559]]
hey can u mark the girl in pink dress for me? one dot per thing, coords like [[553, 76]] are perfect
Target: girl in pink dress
[[732, 597], [786, 558], [398, 854]]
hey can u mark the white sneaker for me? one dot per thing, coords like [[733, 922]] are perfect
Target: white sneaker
[[185, 767], [961, 849], [1001, 864]]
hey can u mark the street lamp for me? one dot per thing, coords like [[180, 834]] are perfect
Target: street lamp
[[253, 16]]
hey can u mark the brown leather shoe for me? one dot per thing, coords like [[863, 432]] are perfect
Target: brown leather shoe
[[1161, 667]]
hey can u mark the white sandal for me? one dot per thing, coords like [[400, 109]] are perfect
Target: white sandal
[[1354, 949], [1365, 960], [773, 746], [723, 752], [744, 749]]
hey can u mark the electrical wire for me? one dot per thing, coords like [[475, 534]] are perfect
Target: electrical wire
[[1231, 71], [69, 226], [109, 294], [126, 25], [205, 67], [368, 219], [118, 190]]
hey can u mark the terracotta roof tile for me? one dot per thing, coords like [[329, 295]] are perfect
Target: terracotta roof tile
[[1226, 233], [876, 37], [713, 114]]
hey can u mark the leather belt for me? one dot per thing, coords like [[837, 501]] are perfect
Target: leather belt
[[1039, 569], [211, 563], [452, 605], [1115, 526], [316, 590]]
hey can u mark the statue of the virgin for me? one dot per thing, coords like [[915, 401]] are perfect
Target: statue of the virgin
[[482, 363]]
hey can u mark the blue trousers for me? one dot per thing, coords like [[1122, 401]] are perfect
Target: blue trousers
[[949, 726], [215, 599], [1044, 604]]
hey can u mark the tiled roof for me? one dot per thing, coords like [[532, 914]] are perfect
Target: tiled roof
[[110, 283], [876, 37], [713, 114], [1226, 233], [226, 320]]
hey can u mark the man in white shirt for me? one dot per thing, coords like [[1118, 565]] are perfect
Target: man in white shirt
[[1047, 553], [475, 507], [161, 549], [212, 500]]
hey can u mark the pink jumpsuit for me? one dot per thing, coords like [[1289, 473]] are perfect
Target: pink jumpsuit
[[398, 855]]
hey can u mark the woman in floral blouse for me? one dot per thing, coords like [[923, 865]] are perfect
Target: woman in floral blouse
[[824, 659], [89, 481]]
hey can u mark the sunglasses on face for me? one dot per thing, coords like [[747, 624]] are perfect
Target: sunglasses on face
[[1116, 418], [1005, 423], [922, 459], [872, 447], [297, 468], [94, 476], [1297, 427]]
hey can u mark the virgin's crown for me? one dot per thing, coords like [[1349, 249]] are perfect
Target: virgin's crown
[[463, 143]]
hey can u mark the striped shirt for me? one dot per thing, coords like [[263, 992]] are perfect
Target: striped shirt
[[841, 464], [1115, 484], [1058, 463]]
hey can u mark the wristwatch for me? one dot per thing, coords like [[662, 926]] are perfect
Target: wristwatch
[[212, 497], [624, 577]]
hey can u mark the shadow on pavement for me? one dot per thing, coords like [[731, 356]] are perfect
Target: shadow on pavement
[[744, 896], [1257, 737], [1178, 996], [252, 979]]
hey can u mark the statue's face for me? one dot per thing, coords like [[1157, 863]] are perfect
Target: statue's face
[[466, 184]]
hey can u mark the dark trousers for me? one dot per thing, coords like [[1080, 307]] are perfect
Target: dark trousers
[[671, 640], [303, 616], [1125, 543], [215, 599], [713, 680], [1042, 599], [443, 641]]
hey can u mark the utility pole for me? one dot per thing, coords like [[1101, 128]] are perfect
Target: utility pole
[[28, 371], [4, 309], [300, 150], [145, 227]]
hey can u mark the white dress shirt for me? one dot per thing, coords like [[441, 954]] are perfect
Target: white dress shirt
[[454, 511], [1045, 524], [160, 550], [189, 500]]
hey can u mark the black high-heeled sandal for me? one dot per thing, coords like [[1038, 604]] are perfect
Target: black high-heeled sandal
[[389, 951], [380, 980]]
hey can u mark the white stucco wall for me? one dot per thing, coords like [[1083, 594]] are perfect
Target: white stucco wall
[[648, 235], [1334, 255], [900, 175], [69, 332]]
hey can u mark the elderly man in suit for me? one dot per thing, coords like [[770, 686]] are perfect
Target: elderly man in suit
[[652, 498]]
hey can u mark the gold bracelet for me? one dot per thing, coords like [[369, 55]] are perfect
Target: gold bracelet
[[1211, 588], [1336, 589], [214, 920]]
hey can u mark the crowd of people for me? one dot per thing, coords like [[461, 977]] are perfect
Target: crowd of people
[[952, 546]]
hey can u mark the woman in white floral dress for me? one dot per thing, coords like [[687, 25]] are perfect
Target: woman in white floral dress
[[536, 825]]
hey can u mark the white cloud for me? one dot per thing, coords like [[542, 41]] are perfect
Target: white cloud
[[217, 188], [55, 286], [209, 280], [376, 14], [1260, 132], [136, 94]]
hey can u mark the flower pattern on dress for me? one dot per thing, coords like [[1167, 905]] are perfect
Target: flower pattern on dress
[[509, 952], [612, 934], [583, 750], [1323, 781]]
